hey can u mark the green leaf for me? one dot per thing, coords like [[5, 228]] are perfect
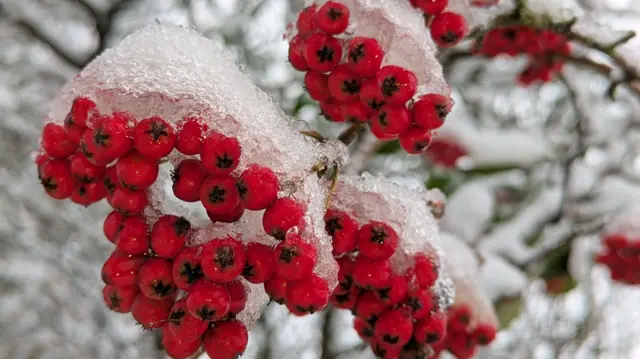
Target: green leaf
[[507, 310], [389, 147], [483, 171]]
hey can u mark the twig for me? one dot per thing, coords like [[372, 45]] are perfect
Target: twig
[[332, 188], [351, 133], [315, 135], [40, 35], [326, 334]]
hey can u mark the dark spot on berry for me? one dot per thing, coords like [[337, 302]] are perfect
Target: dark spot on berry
[[378, 235], [191, 273], [217, 195], [367, 332], [48, 184], [225, 257], [421, 145], [175, 176], [109, 185], [85, 179], [242, 189], [181, 226], [160, 288], [450, 37], [100, 138], [205, 313], [248, 271], [382, 118], [414, 303], [391, 339], [309, 310], [334, 14], [69, 120], [464, 319], [115, 300], [343, 298], [346, 284], [224, 161], [287, 254], [158, 129], [379, 351], [351, 87], [357, 53], [278, 234], [432, 338], [374, 104], [325, 54], [332, 225], [509, 34], [390, 86], [384, 293], [176, 316], [442, 111], [85, 150], [483, 340]]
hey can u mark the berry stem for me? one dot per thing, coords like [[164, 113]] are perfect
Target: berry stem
[[315, 135], [332, 189], [351, 134]]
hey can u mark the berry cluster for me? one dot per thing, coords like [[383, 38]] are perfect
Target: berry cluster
[[356, 87], [193, 293], [546, 49], [447, 27], [622, 256], [396, 314], [461, 340], [444, 152]]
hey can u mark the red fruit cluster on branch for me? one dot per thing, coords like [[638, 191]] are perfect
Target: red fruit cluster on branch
[[117, 156], [546, 49], [396, 314], [461, 339], [447, 27], [347, 77], [622, 255]]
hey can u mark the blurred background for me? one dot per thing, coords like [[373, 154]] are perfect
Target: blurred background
[[532, 174]]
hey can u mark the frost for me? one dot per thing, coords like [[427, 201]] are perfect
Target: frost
[[501, 279], [172, 72]]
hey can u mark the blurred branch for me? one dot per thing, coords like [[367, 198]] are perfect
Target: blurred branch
[[103, 22], [35, 32], [326, 334]]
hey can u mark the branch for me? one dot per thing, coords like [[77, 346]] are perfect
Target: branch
[[326, 334], [35, 32]]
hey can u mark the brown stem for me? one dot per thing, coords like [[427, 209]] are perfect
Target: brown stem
[[351, 133]]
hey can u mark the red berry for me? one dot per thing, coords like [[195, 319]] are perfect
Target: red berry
[[83, 170], [81, 109], [137, 172], [258, 187], [281, 216], [345, 271], [108, 140], [133, 238], [223, 259], [276, 288], [415, 140], [355, 112], [344, 85], [56, 141], [121, 270], [431, 7], [448, 29], [364, 56], [322, 52], [112, 225], [333, 18], [459, 318], [342, 229], [295, 258], [190, 136], [128, 201], [430, 111], [484, 334], [220, 154], [156, 281], [332, 110], [154, 138], [377, 240], [183, 325], [238, 296], [317, 85], [371, 274], [394, 119], [260, 263], [371, 96], [219, 195], [186, 268], [426, 271], [151, 313], [307, 295], [378, 131], [307, 21], [384, 351], [229, 217], [179, 348], [395, 292], [88, 193], [421, 302], [616, 242], [119, 299], [168, 235], [394, 328], [398, 85], [365, 329], [430, 330], [369, 306], [56, 178], [187, 179], [110, 181], [208, 301], [296, 54], [226, 340], [345, 299]]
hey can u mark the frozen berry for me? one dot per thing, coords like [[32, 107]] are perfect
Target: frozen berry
[[393, 119], [226, 340], [430, 330], [110, 181], [431, 7], [55, 176], [345, 299], [448, 29], [109, 139], [183, 324], [83, 170], [394, 327], [133, 238], [295, 258], [88, 193], [355, 112], [179, 347], [616, 242], [307, 20], [276, 288], [219, 195], [333, 18], [395, 292], [421, 302], [190, 136], [156, 281], [384, 351], [151, 313], [345, 270], [81, 110], [371, 95], [307, 296], [168, 235], [365, 329], [129, 201], [258, 187], [332, 110], [281, 216], [229, 217], [56, 141], [296, 54], [378, 130], [430, 111], [223, 260], [484, 334], [317, 85], [186, 268], [112, 225], [459, 318], [368, 307], [377, 240], [415, 140], [342, 229], [238, 297], [137, 172], [344, 85], [322, 52], [371, 274], [220, 154], [364, 56], [208, 301], [119, 299], [397, 84], [154, 138], [121, 270], [426, 271], [260, 263], [187, 179]]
